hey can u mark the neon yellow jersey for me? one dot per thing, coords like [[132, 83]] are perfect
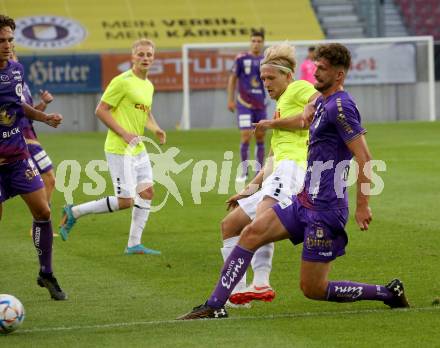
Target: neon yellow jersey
[[131, 98], [292, 145]]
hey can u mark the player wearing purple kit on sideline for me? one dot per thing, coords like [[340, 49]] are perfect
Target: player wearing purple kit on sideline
[[250, 101], [318, 215], [18, 174]]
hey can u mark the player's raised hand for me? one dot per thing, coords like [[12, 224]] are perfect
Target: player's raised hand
[[162, 136], [363, 217], [46, 97], [231, 106], [262, 125], [53, 120]]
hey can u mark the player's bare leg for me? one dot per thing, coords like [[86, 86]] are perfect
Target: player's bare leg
[[49, 183]]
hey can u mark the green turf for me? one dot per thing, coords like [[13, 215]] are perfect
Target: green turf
[[119, 301]]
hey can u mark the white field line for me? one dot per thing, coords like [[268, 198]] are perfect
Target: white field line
[[260, 317]]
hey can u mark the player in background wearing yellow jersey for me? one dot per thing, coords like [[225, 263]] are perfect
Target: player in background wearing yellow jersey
[[125, 108], [280, 178]]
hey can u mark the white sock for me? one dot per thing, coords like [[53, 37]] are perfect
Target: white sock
[[103, 205], [139, 217], [262, 264], [228, 245]]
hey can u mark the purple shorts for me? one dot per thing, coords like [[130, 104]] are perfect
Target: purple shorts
[[18, 178], [322, 232], [246, 116], [40, 158]]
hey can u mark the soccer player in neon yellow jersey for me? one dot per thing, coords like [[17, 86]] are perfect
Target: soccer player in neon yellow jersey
[[289, 150], [125, 108]]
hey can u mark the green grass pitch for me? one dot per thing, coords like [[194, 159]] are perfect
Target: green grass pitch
[[118, 301]]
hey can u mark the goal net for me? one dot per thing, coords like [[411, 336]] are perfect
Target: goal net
[[391, 79]]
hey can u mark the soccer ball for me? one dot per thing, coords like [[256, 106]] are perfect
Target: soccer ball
[[11, 313]]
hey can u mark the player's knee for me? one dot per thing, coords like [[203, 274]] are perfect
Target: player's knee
[[251, 237], [228, 228], [259, 137], [42, 213], [147, 194], [246, 137], [312, 290], [125, 203], [224, 225]]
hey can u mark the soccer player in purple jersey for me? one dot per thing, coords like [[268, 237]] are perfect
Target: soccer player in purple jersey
[[250, 102], [18, 174], [41, 159], [317, 216]]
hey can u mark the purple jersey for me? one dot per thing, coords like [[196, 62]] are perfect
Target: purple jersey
[[26, 125], [337, 121], [251, 92], [12, 144]]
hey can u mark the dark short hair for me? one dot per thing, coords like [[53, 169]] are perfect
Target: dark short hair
[[259, 33], [311, 48], [6, 21], [335, 53]]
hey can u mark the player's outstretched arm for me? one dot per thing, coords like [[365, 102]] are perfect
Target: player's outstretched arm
[[53, 120], [359, 149], [291, 123]]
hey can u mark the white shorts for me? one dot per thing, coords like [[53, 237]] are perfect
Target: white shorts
[[285, 181], [130, 174]]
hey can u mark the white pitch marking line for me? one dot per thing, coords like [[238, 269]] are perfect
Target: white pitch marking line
[[264, 317]]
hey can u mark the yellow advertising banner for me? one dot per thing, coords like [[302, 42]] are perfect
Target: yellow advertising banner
[[97, 26]]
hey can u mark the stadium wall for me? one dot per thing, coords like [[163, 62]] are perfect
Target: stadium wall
[[78, 109]]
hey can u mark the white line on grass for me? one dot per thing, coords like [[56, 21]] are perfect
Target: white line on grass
[[260, 317]]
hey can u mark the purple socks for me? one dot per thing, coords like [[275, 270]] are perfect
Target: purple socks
[[244, 153], [233, 270], [346, 291], [259, 154], [43, 238]]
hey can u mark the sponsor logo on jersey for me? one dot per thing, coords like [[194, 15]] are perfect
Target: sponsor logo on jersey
[[6, 119], [142, 107]]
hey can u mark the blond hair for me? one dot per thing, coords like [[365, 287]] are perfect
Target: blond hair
[[281, 56], [141, 42]]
